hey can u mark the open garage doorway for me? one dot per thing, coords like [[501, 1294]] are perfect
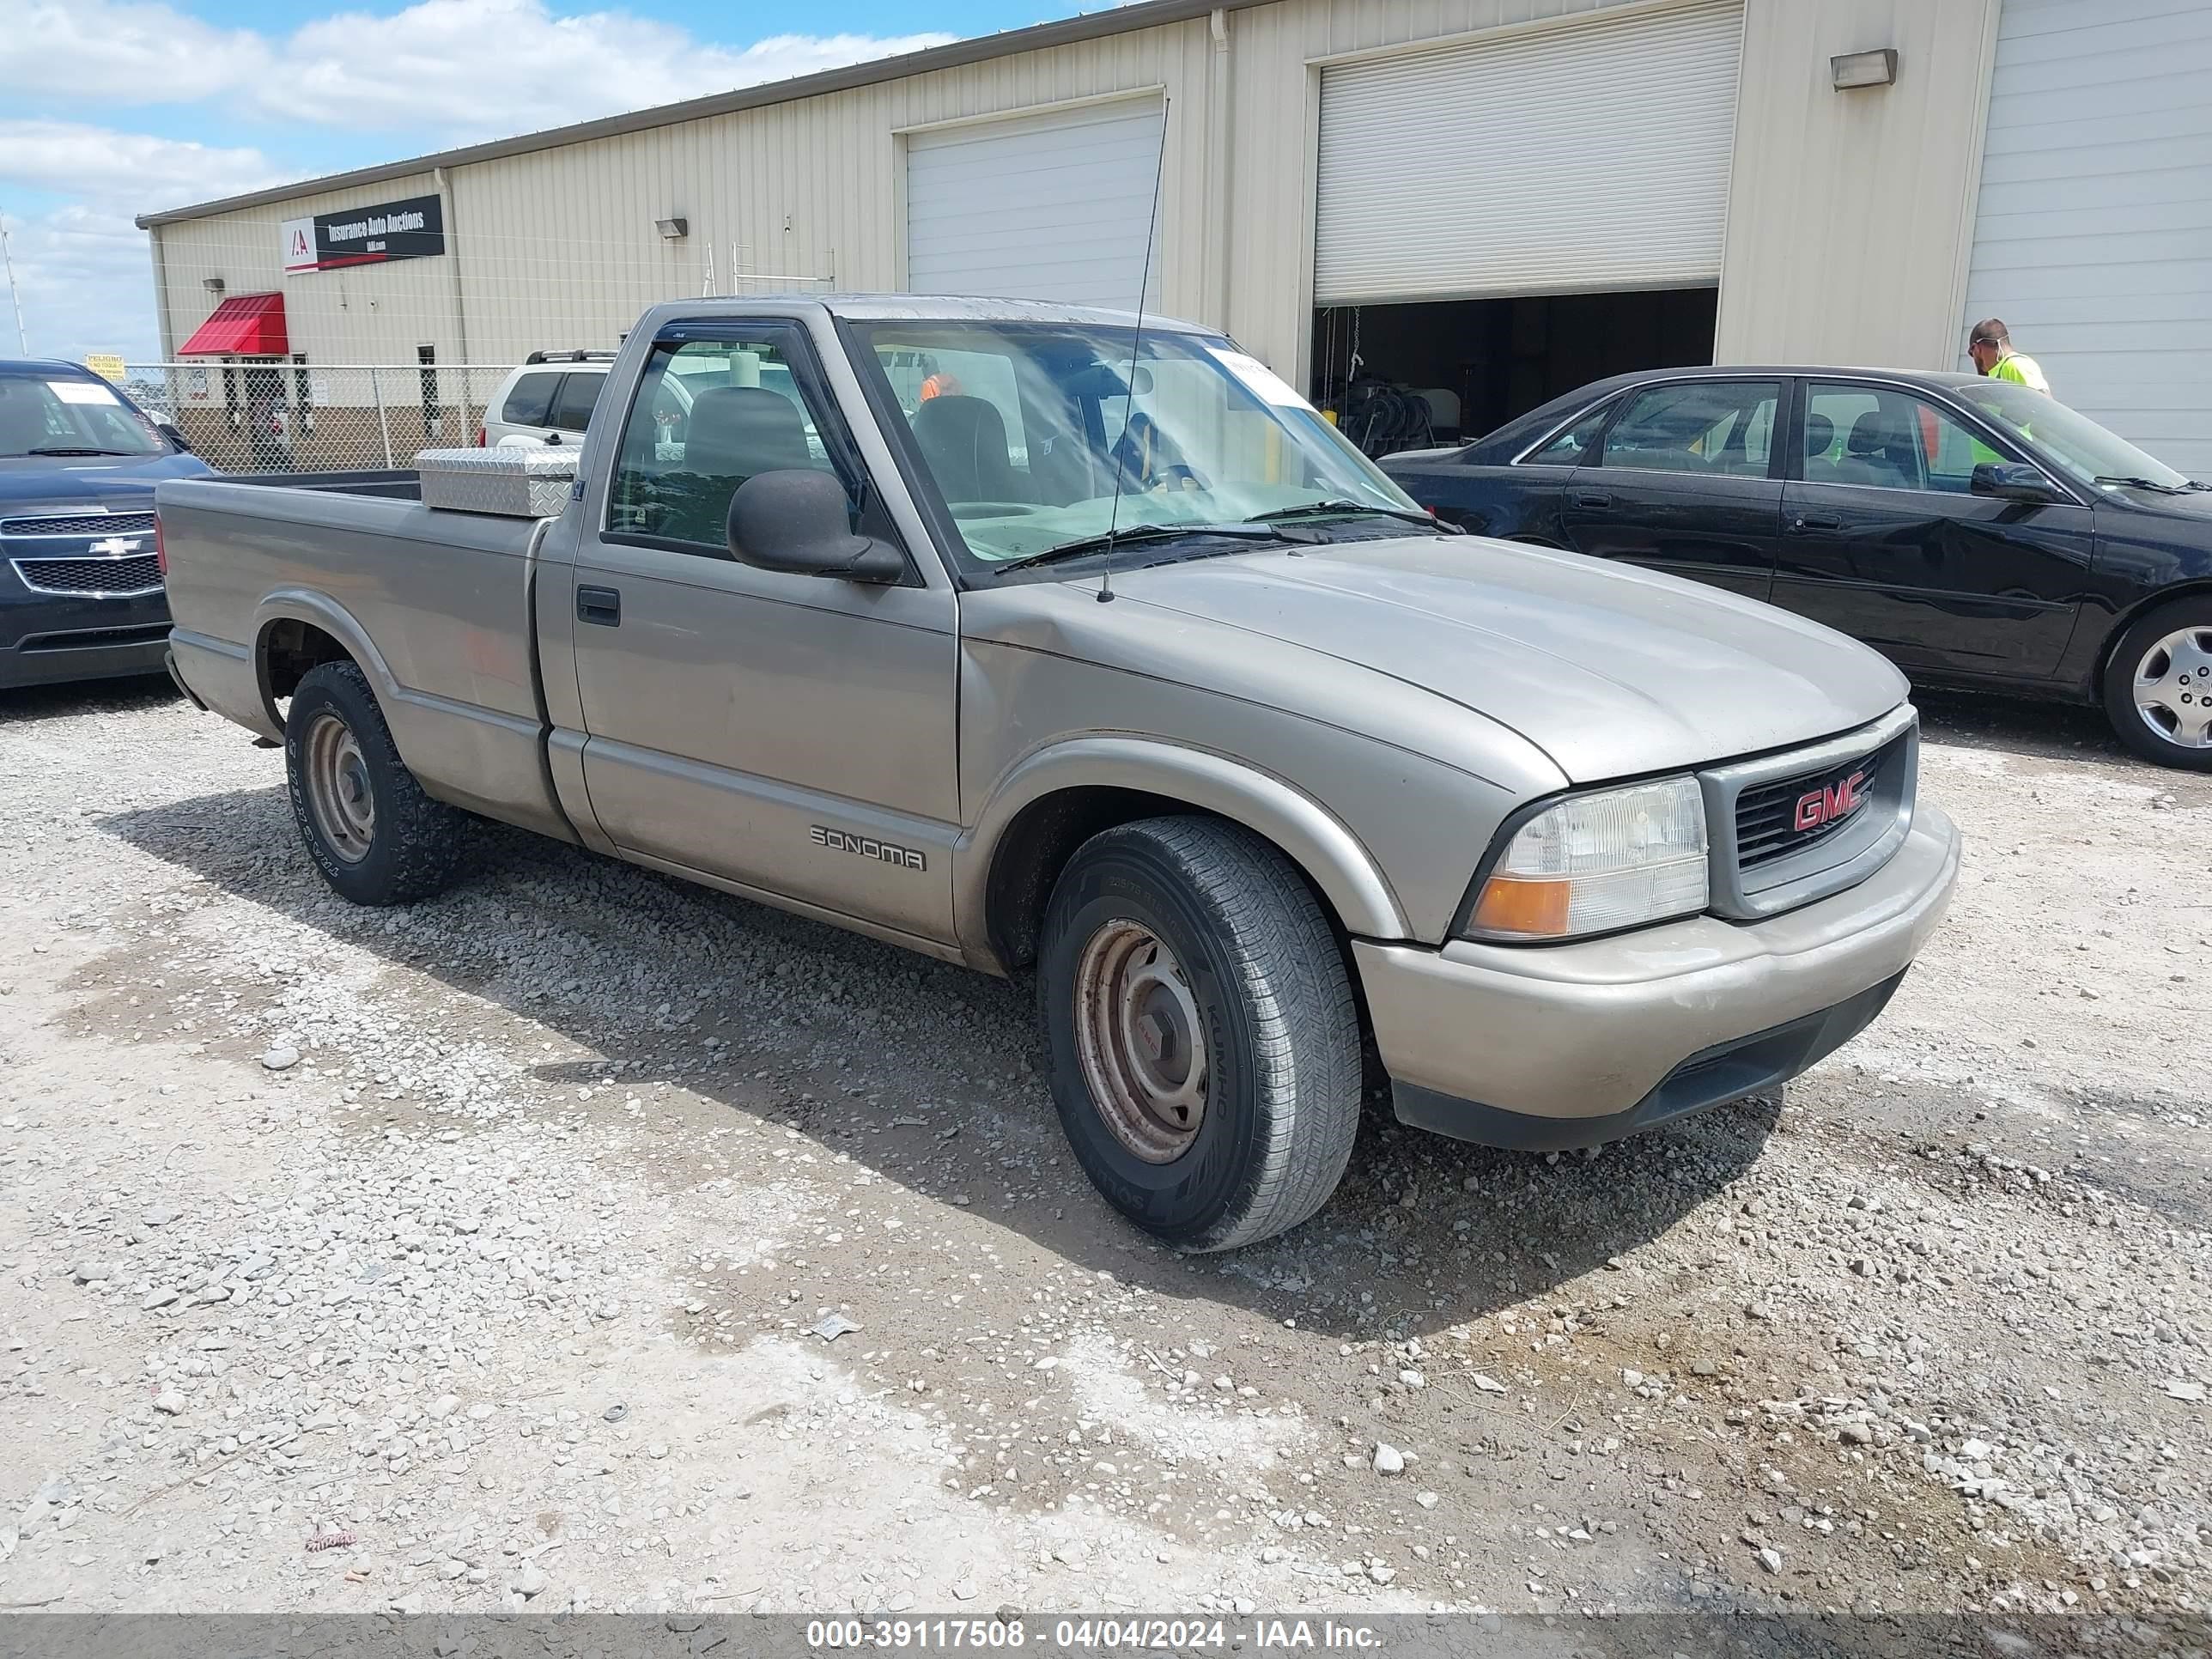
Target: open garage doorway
[[1444, 371]]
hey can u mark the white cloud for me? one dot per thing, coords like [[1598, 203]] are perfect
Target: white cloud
[[104, 165], [83, 268], [87, 283], [468, 68], [438, 73]]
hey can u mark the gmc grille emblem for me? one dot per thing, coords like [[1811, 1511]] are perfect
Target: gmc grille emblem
[[1832, 804]]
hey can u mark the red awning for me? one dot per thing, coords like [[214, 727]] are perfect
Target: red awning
[[244, 325]]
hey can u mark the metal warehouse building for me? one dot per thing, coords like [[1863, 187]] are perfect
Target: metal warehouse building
[[1491, 200]]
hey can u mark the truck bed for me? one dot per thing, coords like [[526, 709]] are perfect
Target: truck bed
[[401, 483], [433, 604]]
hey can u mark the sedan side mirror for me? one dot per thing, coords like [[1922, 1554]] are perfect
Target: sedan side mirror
[[798, 520], [175, 434], [2013, 481]]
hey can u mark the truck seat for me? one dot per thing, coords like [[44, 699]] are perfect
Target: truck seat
[[964, 440]]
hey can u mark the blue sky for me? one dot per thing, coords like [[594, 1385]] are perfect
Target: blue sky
[[197, 100]]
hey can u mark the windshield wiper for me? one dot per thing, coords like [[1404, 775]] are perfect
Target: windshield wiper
[[57, 449], [2145, 484], [1332, 509], [1249, 530]]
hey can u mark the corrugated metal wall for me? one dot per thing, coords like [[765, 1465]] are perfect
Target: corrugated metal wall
[[804, 194], [384, 311], [1275, 104], [1851, 213], [2093, 243], [557, 247]]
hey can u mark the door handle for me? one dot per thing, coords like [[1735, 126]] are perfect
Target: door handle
[[1597, 498], [602, 605], [1816, 521]]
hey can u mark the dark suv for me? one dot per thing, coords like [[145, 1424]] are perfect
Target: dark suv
[[80, 576]]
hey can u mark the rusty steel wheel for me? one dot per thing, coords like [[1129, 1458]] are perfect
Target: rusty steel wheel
[[337, 787], [1141, 1042], [368, 826]]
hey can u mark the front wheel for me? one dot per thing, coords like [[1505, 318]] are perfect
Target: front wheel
[[2158, 685], [1206, 1051]]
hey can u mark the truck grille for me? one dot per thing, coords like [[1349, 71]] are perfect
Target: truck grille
[[81, 523], [1767, 815], [1790, 827], [122, 578]]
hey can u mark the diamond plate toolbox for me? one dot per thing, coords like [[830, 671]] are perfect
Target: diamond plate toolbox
[[514, 482]]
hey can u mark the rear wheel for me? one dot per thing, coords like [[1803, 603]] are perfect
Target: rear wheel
[[1205, 1050], [2158, 685], [372, 831]]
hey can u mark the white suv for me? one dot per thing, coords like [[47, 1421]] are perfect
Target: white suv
[[547, 401], [550, 400]]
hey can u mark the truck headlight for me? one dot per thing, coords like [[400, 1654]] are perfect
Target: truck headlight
[[1596, 862]]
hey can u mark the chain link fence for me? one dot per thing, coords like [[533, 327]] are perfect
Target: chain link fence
[[314, 417]]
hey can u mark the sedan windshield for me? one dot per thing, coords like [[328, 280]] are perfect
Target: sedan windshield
[[1028, 428], [68, 416], [2071, 437]]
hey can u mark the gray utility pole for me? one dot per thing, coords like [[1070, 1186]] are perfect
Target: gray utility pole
[[15, 293]]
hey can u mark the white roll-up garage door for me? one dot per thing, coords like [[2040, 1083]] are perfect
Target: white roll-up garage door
[[1039, 207], [2092, 234], [1591, 156]]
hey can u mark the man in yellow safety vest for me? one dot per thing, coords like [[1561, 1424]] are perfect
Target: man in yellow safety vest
[[1990, 347]]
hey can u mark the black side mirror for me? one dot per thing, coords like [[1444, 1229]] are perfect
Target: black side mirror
[[2013, 481], [175, 434], [797, 520]]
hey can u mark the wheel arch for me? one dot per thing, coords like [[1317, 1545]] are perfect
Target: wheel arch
[[2199, 587], [295, 630], [1054, 800]]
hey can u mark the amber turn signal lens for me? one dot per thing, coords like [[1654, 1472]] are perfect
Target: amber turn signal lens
[[1515, 906]]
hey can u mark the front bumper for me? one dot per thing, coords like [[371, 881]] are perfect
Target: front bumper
[[48, 638], [1574, 1045], [79, 601]]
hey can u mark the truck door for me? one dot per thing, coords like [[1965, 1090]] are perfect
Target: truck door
[[791, 734]]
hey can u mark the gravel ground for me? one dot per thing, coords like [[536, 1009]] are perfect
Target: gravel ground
[[583, 1240]]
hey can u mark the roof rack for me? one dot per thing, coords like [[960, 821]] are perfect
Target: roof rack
[[571, 357]]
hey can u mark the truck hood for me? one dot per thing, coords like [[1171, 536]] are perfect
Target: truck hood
[[1611, 670]]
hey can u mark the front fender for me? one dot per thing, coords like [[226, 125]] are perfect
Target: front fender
[[1307, 832]]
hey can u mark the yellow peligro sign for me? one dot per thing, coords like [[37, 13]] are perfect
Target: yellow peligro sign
[[106, 364]]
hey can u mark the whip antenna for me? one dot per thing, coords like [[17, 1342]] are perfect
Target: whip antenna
[[1136, 345]]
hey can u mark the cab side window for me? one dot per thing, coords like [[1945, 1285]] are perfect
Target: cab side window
[[707, 416], [1723, 427]]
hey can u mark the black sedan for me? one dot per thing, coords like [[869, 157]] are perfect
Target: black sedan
[[1978, 533]]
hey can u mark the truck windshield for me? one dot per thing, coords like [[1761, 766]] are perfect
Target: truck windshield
[[65, 415], [1025, 430], [2074, 441]]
